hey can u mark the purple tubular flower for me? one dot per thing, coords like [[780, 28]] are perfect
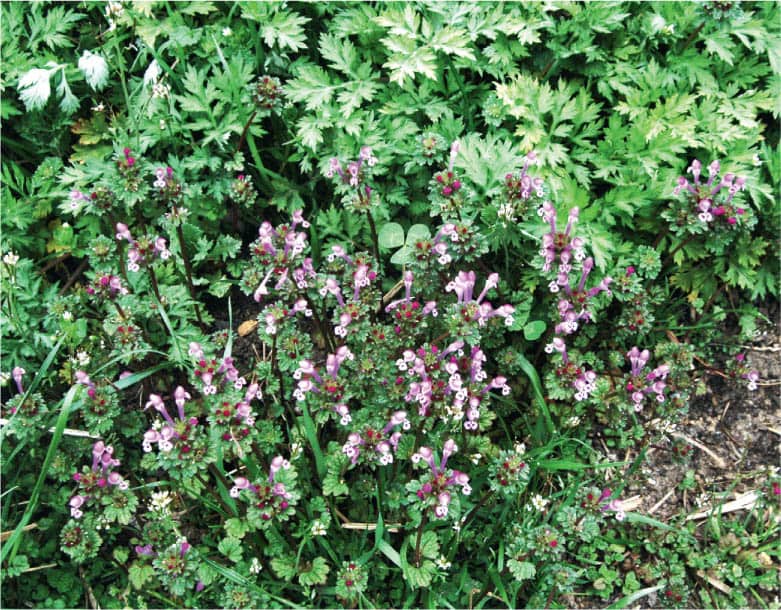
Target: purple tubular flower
[[156, 402], [17, 374]]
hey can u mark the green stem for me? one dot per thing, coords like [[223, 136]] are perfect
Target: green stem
[[123, 80], [153, 280], [188, 272], [691, 37], [464, 101], [419, 538]]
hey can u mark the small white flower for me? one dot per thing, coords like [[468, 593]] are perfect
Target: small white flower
[[757, 161], [475, 458], [539, 503], [152, 73], [4, 378], [318, 529], [34, 88], [162, 124], [227, 32], [255, 567], [160, 501], [67, 316], [114, 9], [160, 90], [11, 259], [442, 563], [520, 448], [95, 70], [83, 358], [99, 108]]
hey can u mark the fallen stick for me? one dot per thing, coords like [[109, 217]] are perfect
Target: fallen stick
[[656, 506], [743, 501], [716, 459], [66, 431]]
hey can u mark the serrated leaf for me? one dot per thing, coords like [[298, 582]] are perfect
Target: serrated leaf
[[197, 8], [231, 548], [138, 574], [420, 577], [316, 573], [284, 567], [521, 570], [236, 527], [429, 545]]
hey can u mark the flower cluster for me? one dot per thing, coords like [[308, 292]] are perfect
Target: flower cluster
[[268, 92], [449, 384], [741, 370], [23, 409], [97, 482], [509, 472], [143, 251], [570, 373], [278, 259], [468, 308], [126, 165], [106, 286], [561, 245], [355, 175], [269, 499], [435, 492], [207, 369], [233, 421], [351, 580], [358, 274], [101, 406], [641, 385], [176, 566], [329, 389], [519, 191], [713, 199], [407, 313], [242, 191], [602, 502], [370, 444], [169, 189], [446, 188], [182, 443]]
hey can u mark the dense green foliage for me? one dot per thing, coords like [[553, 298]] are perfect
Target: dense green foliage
[[394, 425]]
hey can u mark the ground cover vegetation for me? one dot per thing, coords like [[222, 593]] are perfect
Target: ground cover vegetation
[[349, 304]]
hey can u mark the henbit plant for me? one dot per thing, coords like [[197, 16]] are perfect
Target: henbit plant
[[176, 130]]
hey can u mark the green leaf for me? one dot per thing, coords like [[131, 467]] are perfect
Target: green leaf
[[390, 235], [231, 548], [284, 567], [521, 570], [139, 574], [533, 330], [420, 577], [429, 545], [316, 573], [391, 553], [236, 528]]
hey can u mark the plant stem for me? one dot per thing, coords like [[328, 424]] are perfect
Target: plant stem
[[188, 272], [691, 37], [471, 514], [245, 130], [375, 239], [153, 279], [120, 311], [420, 536]]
